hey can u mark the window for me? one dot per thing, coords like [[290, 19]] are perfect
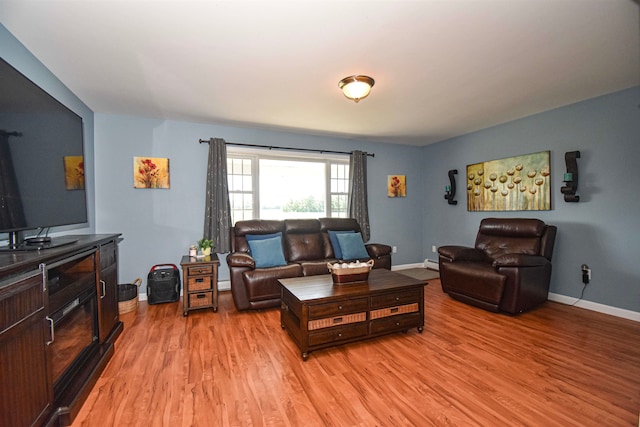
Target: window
[[339, 191], [284, 186], [240, 179]]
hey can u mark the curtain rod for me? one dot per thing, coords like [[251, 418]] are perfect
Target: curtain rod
[[270, 147]]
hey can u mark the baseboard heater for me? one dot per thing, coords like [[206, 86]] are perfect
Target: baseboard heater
[[431, 265]]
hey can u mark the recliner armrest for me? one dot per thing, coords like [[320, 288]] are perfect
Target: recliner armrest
[[520, 260], [240, 259], [461, 253], [376, 250]]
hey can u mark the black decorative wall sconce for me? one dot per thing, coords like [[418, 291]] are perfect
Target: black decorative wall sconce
[[450, 190], [571, 177]]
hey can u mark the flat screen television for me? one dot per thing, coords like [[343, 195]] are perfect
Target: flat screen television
[[42, 181]]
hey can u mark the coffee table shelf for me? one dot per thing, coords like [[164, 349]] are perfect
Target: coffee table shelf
[[318, 313]]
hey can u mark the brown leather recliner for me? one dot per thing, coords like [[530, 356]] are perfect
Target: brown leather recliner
[[306, 248], [508, 270]]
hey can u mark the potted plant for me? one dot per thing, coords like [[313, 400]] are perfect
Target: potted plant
[[205, 246]]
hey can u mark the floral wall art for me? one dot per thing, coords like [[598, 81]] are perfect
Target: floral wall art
[[150, 172], [520, 183], [396, 186]]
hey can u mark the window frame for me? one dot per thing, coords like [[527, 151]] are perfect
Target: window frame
[[256, 154]]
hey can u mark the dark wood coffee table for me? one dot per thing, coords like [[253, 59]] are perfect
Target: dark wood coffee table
[[318, 313]]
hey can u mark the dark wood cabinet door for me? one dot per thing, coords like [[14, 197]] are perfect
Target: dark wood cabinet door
[[107, 291], [25, 385]]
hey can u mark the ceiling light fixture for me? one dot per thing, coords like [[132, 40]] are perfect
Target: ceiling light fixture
[[356, 87]]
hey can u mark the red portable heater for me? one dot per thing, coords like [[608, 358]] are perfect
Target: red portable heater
[[163, 284]]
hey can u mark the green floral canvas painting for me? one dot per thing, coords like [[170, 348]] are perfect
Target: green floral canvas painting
[[520, 183]]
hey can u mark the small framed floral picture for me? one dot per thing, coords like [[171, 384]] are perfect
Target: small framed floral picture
[[150, 172], [397, 186]]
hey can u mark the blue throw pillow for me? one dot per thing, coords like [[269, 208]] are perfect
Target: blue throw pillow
[[250, 237], [352, 246], [334, 241], [267, 252]]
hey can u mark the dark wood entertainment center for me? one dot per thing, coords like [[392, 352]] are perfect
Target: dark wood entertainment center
[[58, 324]]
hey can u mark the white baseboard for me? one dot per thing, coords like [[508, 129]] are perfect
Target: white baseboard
[[224, 285], [407, 266], [594, 306]]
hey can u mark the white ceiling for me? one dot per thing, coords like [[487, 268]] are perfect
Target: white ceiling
[[442, 68]]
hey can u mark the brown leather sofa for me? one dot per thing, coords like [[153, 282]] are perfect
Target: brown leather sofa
[[307, 249], [508, 270]]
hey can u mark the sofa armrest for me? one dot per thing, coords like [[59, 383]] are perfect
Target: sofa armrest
[[520, 260], [376, 250], [461, 253], [240, 259]]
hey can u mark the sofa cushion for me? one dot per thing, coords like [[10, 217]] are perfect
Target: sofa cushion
[[250, 237], [301, 226], [478, 280], [262, 284], [339, 224], [267, 252], [333, 236], [314, 268], [352, 246], [304, 247], [495, 248], [501, 236], [254, 227]]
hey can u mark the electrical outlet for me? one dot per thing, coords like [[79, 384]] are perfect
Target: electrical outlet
[[433, 249], [394, 250]]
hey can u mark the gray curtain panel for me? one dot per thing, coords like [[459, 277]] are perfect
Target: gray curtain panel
[[217, 211], [358, 207]]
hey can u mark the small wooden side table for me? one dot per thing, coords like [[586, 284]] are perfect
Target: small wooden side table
[[200, 278]]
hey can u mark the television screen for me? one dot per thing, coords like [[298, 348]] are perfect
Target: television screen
[[41, 158]]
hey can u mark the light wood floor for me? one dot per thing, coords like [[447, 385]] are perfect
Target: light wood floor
[[555, 366]]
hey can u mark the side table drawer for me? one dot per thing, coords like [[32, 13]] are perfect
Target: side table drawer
[[338, 308], [199, 269], [396, 323], [199, 283], [395, 299], [333, 335], [201, 299]]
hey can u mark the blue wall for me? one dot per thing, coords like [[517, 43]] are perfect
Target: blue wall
[[159, 225], [602, 230]]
